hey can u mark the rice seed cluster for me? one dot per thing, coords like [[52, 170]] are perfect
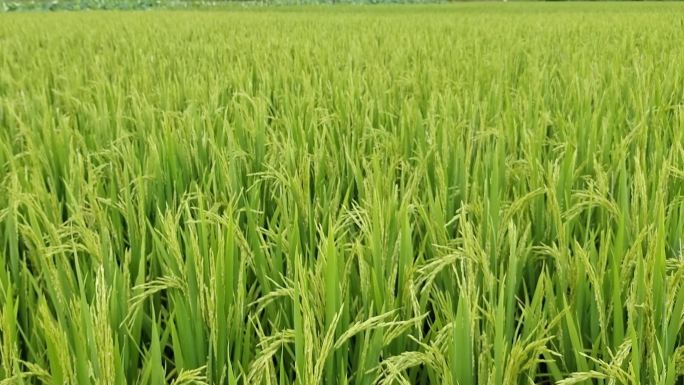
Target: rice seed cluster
[[458, 194]]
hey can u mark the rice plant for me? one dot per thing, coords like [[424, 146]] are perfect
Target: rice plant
[[445, 194]]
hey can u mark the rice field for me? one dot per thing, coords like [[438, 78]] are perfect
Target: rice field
[[479, 193]]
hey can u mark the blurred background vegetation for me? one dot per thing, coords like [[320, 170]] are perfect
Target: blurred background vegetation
[[57, 5], [74, 5]]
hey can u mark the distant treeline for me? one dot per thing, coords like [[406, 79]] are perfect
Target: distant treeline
[[75, 5], [54, 5]]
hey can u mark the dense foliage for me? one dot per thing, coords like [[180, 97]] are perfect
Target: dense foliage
[[82, 5], [463, 194]]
